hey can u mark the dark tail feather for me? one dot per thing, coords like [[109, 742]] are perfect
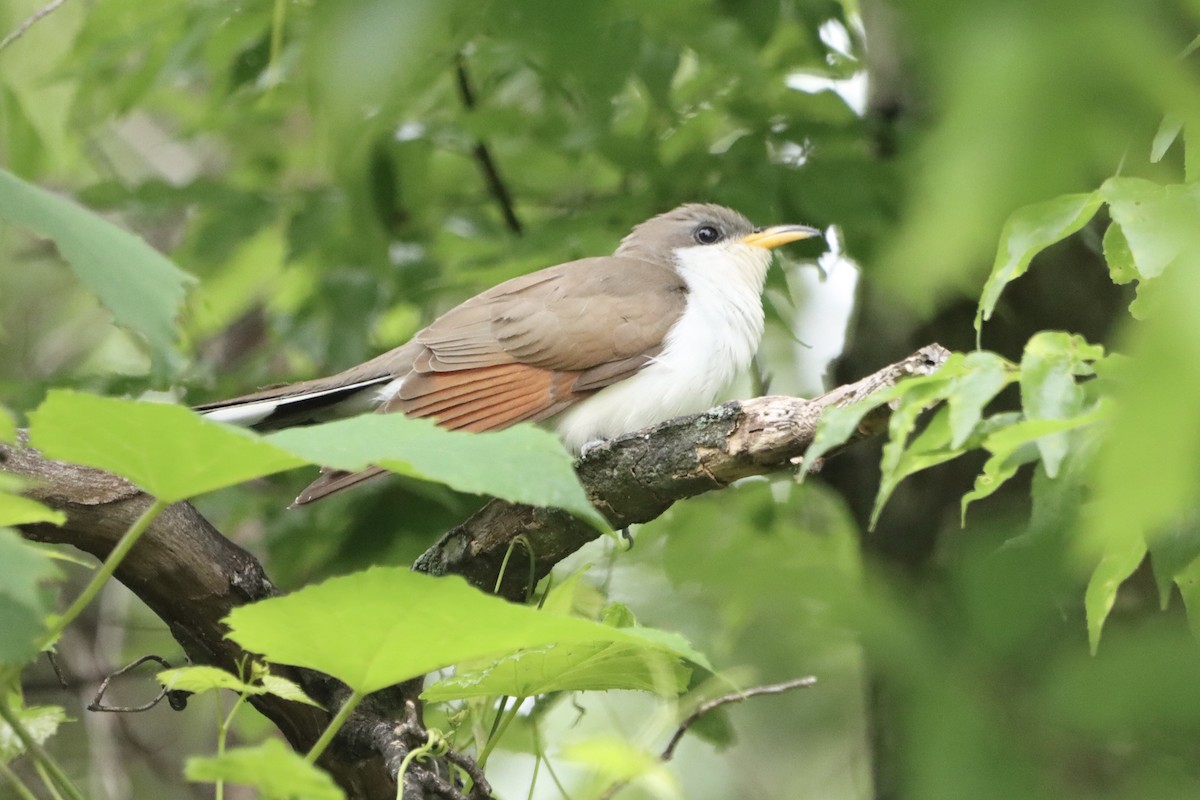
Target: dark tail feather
[[335, 481]]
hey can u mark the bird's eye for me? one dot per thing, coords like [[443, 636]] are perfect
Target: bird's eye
[[707, 234]]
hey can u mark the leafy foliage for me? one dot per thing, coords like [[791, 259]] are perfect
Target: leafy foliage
[[335, 174]]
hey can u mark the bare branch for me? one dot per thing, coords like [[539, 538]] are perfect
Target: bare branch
[[97, 703], [491, 173], [724, 700], [29, 22]]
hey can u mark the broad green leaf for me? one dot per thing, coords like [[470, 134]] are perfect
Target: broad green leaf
[[1121, 266], [16, 510], [984, 376], [535, 467], [584, 666], [271, 767], [201, 678], [141, 288], [288, 690], [385, 625], [1015, 443], [1027, 232], [618, 761], [1115, 566], [1049, 391], [24, 602], [166, 450], [1146, 471], [1159, 221], [8, 426], [40, 721]]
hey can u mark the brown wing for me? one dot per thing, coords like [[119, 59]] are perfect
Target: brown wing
[[531, 347]]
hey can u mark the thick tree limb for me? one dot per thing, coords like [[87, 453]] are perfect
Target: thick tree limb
[[191, 576]]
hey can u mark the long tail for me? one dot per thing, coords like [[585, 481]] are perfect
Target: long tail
[[335, 481], [293, 404]]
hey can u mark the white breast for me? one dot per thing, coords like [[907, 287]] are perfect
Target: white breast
[[713, 341]]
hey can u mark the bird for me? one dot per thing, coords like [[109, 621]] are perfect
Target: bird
[[590, 348]]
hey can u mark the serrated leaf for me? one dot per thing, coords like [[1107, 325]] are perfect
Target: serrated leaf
[[288, 690], [1173, 550], [142, 289], [839, 423], [404, 624], [1158, 221], [930, 448], [1049, 391], [985, 375], [586, 666], [272, 768], [166, 450], [1116, 564], [1188, 581], [202, 678], [1027, 232], [41, 722], [24, 603], [536, 469]]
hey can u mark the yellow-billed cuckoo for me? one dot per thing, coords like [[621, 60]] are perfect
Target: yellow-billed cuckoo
[[593, 348]]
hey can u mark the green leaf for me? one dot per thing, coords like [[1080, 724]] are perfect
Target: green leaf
[[16, 510], [202, 678], [1168, 131], [1117, 564], [1173, 550], [141, 288], [40, 721], [404, 624], [984, 376], [167, 450], [272, 768], [24, 603], [1049, 366], [1188, 581], [1121, 266], [1027, 232], [930, 448], [839, 423], [536, 469], [618, 761], [584, 666], [1015, 443], [287, 689], [1158, 221]]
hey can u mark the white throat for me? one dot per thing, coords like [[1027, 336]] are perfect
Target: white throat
[[712, 342]]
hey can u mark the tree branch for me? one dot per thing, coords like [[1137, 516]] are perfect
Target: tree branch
[[192, 577], [491, 173], [637, 477]]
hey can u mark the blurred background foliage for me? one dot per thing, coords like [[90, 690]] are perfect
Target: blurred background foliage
[[336, 174]]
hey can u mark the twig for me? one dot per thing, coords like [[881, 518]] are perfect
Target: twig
[[97, 701], [491, 174], [29, 22], [735, 697]]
